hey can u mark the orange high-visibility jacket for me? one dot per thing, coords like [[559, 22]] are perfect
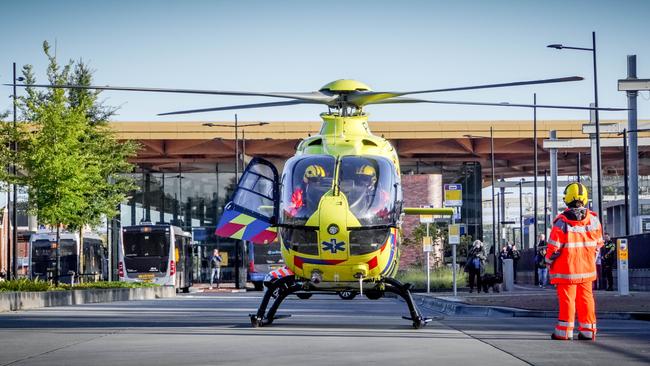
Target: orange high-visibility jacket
[[572, 248]]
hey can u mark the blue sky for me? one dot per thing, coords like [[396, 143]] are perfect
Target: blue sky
[[302, 45]]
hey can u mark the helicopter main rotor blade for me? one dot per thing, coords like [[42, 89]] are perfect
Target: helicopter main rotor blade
[[363, 98], [315, 97], [504, 104], [242, 106]]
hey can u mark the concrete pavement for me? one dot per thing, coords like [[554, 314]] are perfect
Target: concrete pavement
[[213, 329], [529, 301]]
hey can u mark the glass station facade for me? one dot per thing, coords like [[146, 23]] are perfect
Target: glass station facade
[[193, 196]]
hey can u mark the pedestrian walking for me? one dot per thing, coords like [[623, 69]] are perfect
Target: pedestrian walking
[[608, 258], [541, 240], [514, 254], [215, 268], [540, 264], [475, 265], [598, 284], [503, 254], [571, 256]]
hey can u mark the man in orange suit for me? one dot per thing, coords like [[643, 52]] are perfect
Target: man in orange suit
[[575, 239]]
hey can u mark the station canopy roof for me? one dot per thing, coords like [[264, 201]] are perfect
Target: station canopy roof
[[423, 146]]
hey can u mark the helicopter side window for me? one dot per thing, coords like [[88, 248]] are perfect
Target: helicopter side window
[[255, 191], [369, 186], [305, 181]]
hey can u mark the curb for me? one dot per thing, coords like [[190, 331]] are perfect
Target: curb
[[12, 301], [458, 308]]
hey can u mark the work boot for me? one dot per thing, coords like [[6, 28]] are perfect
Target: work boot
[[585, 338], [556, 338]]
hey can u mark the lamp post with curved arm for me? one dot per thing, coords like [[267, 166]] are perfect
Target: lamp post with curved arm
[[596, 119], [236, 127]]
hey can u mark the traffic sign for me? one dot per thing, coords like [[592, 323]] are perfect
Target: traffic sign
[[453, 195], [427, 244], [454, 234], [426, 219]]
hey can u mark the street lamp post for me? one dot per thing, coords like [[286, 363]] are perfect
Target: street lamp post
[[237, 126], [625, 176], [578, 164], [535, 167], [596, 119], [494, 237], [12, 197], [545, 204], [521, 216]]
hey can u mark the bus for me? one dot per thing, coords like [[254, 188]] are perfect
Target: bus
[[42, 256], [160, 254], [263, 259]]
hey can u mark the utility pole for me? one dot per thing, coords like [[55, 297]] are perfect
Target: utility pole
[[494, 225], [521, 216], [595, 152], [626, 177], [545, 204], [14, 218], [553, 156], [631, 85], [578, 167], [535, 170]]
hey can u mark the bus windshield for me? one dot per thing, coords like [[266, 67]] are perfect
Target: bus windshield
[[42, 248], [152, 244]]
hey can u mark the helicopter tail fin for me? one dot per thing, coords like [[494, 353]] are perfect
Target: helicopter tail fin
[[238, 225]]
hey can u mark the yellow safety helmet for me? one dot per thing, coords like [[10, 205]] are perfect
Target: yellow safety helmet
[[576, 192], [313, 171], [368, 171]]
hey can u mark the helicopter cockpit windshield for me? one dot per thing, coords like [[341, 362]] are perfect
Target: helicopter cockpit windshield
[[369, 186], [304, 182]]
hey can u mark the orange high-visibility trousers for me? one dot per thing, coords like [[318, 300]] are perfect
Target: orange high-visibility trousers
[[572, 297]]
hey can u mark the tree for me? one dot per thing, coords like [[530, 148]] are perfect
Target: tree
[[106, 158], [7, 156], [71, 158]]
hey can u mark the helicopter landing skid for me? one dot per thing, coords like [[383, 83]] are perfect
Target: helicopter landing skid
[[280, 288], [402, 290]]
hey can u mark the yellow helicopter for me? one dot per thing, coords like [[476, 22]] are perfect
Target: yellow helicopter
[[337, 207]]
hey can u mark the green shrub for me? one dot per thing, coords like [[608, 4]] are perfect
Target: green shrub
[[24, 284], [441, 278], [113, 284]]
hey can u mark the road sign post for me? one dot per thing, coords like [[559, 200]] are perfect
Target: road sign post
[[427, 247], [622, 270], [454, 240]]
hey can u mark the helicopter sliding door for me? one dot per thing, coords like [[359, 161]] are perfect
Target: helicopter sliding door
[[253, 210]]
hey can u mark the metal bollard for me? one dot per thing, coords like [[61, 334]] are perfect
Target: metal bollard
[[508, 275]]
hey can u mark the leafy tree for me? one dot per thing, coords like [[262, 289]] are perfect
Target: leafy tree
[[105, 158], [7, 157], [71, 158]]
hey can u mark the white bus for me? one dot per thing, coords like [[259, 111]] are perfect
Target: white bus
[[160, 254], [42, 256]]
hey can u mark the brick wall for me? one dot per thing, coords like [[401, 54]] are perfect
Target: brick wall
[[418, 190]]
